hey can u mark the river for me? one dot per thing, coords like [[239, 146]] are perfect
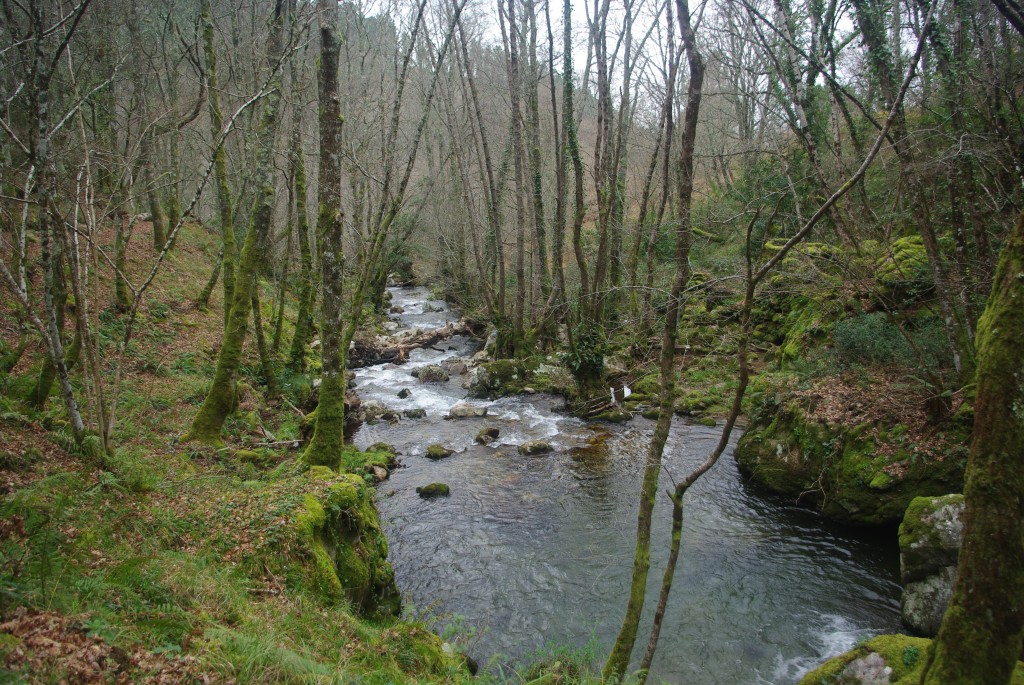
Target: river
[[533, 551]]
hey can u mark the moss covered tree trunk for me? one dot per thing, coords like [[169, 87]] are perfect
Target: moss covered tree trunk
[[220, 399], [328, 434], [981, 634], [307, 294], [618, 660], [220, 166]]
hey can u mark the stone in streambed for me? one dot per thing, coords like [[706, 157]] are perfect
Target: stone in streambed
[[466, 411], [436, 452], [930, 537], [404, 393], [532, 447], [433, 490], [487, 435], [432, 373], [417, 413]]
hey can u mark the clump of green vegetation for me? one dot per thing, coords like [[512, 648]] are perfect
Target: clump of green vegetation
[[904, 656]]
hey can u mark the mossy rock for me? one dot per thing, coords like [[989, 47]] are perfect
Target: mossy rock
[[902, 271], [377, 456], [904, 656], [433, 490], [339, 529], [533, 447], [436, 452], [487, 435], [930, 536], [499, 379], [432, 373], [614, 415], [838, 469]]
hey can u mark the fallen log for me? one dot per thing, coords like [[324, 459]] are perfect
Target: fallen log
[[369, 352]]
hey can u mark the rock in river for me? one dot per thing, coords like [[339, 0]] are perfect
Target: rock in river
[[930, 538], [432, 373], [436, 452], [531, 447], [466, 411], [433, 490], [487, 435]]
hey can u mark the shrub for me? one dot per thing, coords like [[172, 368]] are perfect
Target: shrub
[[872, 339]]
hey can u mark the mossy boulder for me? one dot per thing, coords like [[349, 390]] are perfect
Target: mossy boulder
[[432, 373], [487, 435], [930, 537], [889, 659], [532, 447], [436, 452], [370, 463], [840, 470], [433, 490], [902, 272], [614, 415], [498, 379], [415, 413], [339, 531]]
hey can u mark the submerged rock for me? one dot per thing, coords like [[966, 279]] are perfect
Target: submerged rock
[[436, 452], [397, 309], [417, 413], [487, 435], [930, 538], [463, 410], [432, 373], [532, 447], [433, 490]]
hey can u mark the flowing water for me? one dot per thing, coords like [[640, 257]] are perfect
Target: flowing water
[[530, 551]]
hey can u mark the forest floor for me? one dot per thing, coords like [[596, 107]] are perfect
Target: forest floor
[[164, 562]]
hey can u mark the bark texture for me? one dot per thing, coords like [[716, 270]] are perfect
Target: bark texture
[[982, 631]]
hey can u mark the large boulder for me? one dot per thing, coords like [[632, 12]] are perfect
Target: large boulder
[[860, 474], [930, 537], [498, 379], [462, 410]]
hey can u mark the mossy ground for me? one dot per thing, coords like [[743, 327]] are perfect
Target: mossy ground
[[168, 562], [905, 655]]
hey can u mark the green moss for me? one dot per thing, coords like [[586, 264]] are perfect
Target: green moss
[[905, 655], [838, 469], [433, 490], [903, 269], [438, 452], [500, 378]]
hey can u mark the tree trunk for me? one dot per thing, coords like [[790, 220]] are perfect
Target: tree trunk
[[221, 398], [329, 433], [618, 660], [982, 631], [227, 226]]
